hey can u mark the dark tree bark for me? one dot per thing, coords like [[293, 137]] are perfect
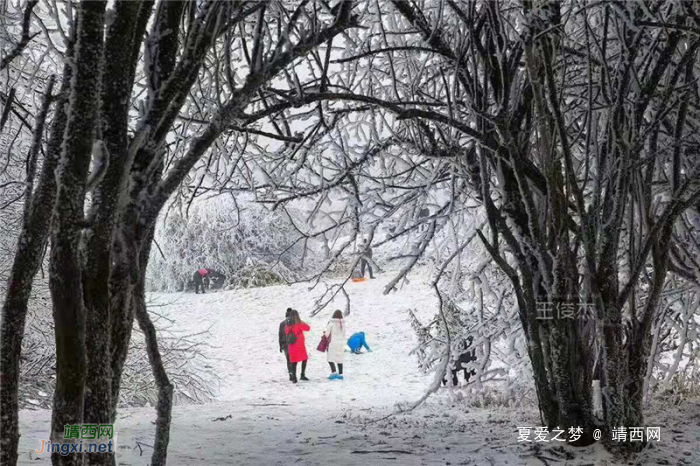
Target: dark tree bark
[[124, 279], [120, 288], [30, 250], [107, 196], [66, 258]]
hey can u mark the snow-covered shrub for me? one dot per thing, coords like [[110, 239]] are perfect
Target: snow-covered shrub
[[256, 277], [249, 243], [503, 376], [680, 388], [186, 363], [184, 357], [38, 358], [676, 347], [478, 306]]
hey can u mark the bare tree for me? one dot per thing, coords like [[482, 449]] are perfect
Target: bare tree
[[572, 124], [25, 37]]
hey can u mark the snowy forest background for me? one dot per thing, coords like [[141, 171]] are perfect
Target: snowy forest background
[[553, 144]]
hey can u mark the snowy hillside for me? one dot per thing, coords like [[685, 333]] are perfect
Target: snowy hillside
[[260, 418], [243, 327]]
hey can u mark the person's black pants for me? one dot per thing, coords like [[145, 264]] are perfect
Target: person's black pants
[[467, 376], [198, 283], [340, 368], [294, 369], [366, 264], [289, 364]]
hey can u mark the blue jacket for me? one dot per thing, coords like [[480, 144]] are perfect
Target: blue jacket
[[357, 341]]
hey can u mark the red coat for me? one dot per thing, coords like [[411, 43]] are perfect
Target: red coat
[[297, 351]]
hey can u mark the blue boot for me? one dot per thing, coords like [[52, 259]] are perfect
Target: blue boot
[[333, 376]]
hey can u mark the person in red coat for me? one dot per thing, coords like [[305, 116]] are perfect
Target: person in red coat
[[297, 350], [198, 278]]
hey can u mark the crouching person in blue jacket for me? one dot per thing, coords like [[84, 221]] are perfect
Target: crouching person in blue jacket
[[357, 341]]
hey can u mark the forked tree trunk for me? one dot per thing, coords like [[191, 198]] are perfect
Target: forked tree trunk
[[107, 198], [639, 346], [66, 258], [130, 22], [126, 243]]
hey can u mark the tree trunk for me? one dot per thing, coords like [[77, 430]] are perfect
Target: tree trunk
[[121, 321], [639, 346], [571, 376], [126, 246], [109, 194], [165, 388], [30, 249], [66, 261]]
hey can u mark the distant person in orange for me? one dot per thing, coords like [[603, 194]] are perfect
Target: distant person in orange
[[294, 332]]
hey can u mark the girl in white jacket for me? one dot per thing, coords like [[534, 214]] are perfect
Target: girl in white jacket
[[336, 349]]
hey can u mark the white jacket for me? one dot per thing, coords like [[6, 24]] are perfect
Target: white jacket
[[336, 331]]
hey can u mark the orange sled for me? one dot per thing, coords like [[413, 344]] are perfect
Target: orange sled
[[359, 279]]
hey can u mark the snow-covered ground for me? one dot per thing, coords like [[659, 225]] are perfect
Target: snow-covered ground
[[260, 418]]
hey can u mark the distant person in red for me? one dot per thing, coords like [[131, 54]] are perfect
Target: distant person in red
[[198, 278], [294, 333]]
